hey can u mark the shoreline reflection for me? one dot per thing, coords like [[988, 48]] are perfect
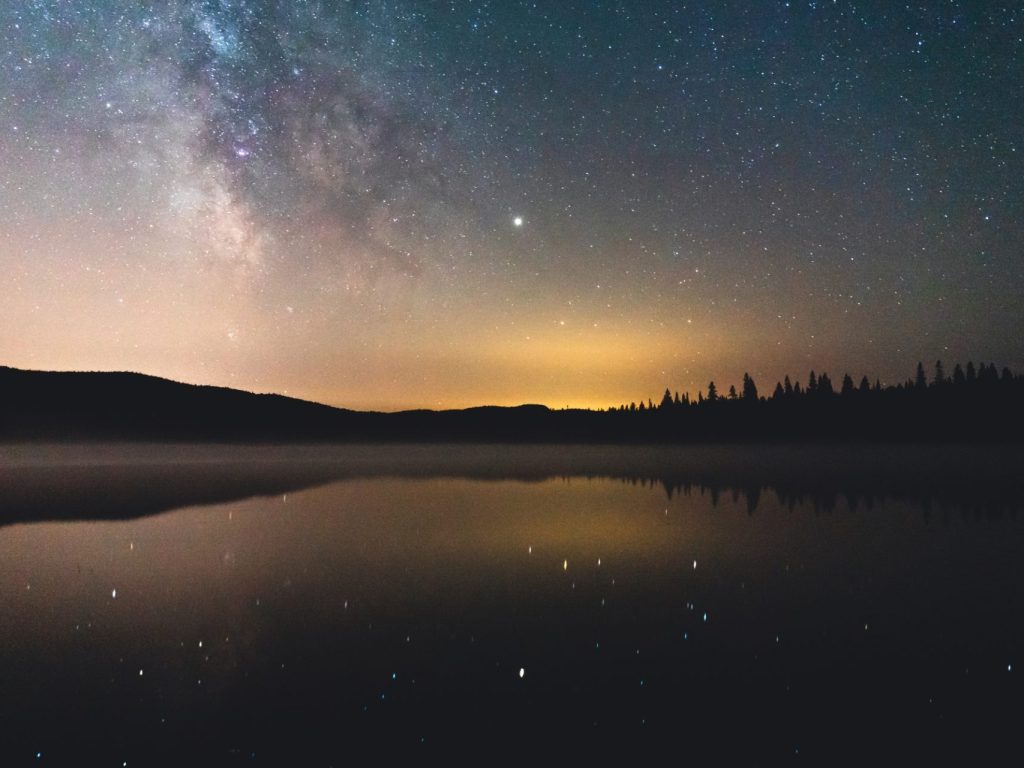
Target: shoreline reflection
[[109, 482]]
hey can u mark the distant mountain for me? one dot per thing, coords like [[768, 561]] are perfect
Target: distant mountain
[[64, 406], [50, 405]]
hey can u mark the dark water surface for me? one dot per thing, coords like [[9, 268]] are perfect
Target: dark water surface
[[177, 605]]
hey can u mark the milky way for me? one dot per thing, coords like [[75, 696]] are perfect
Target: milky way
[[395, 204]]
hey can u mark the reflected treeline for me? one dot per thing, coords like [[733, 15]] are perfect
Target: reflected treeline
[[963, 499], [112, 482]]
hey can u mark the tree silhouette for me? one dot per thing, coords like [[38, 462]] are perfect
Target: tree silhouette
[[666, 400], [749, 388], [940, 375], [919, 380], [712, 392], [847, 388]]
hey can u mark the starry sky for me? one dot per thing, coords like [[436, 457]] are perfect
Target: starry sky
[[390, 204]]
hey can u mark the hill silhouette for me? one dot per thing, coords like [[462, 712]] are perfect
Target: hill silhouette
[[95, 406], [69, 406]]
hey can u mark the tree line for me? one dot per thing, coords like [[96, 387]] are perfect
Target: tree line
[[972, 402], [963, 381]]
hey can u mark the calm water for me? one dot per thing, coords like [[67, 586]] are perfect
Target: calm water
[[264, 605]]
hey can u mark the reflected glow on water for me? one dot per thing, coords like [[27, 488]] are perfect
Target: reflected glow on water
[[444, 610]]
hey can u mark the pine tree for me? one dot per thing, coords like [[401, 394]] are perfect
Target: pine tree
[[666, 400], [712, 392], [749, 388], [919, 380]]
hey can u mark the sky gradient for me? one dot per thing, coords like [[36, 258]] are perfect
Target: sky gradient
[[389, 204]]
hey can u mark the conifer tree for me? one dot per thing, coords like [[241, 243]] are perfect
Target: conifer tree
[[749, 388], [919, 380], [666, 400]]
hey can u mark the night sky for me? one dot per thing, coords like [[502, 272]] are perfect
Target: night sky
[[389, 204]]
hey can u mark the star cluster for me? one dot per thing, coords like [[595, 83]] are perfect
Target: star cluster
[[392, 204]]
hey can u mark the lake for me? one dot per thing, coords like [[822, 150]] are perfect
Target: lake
[[267, 605]]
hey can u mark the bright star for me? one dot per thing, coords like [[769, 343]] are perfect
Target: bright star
[[517, 221]]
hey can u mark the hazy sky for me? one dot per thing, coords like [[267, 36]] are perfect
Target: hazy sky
[[389, 204]]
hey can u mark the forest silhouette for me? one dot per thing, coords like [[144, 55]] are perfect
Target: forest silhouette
[[973, 402], [970, 403]]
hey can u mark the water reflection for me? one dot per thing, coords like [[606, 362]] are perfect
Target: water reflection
[[109, 482], [428, 600]]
